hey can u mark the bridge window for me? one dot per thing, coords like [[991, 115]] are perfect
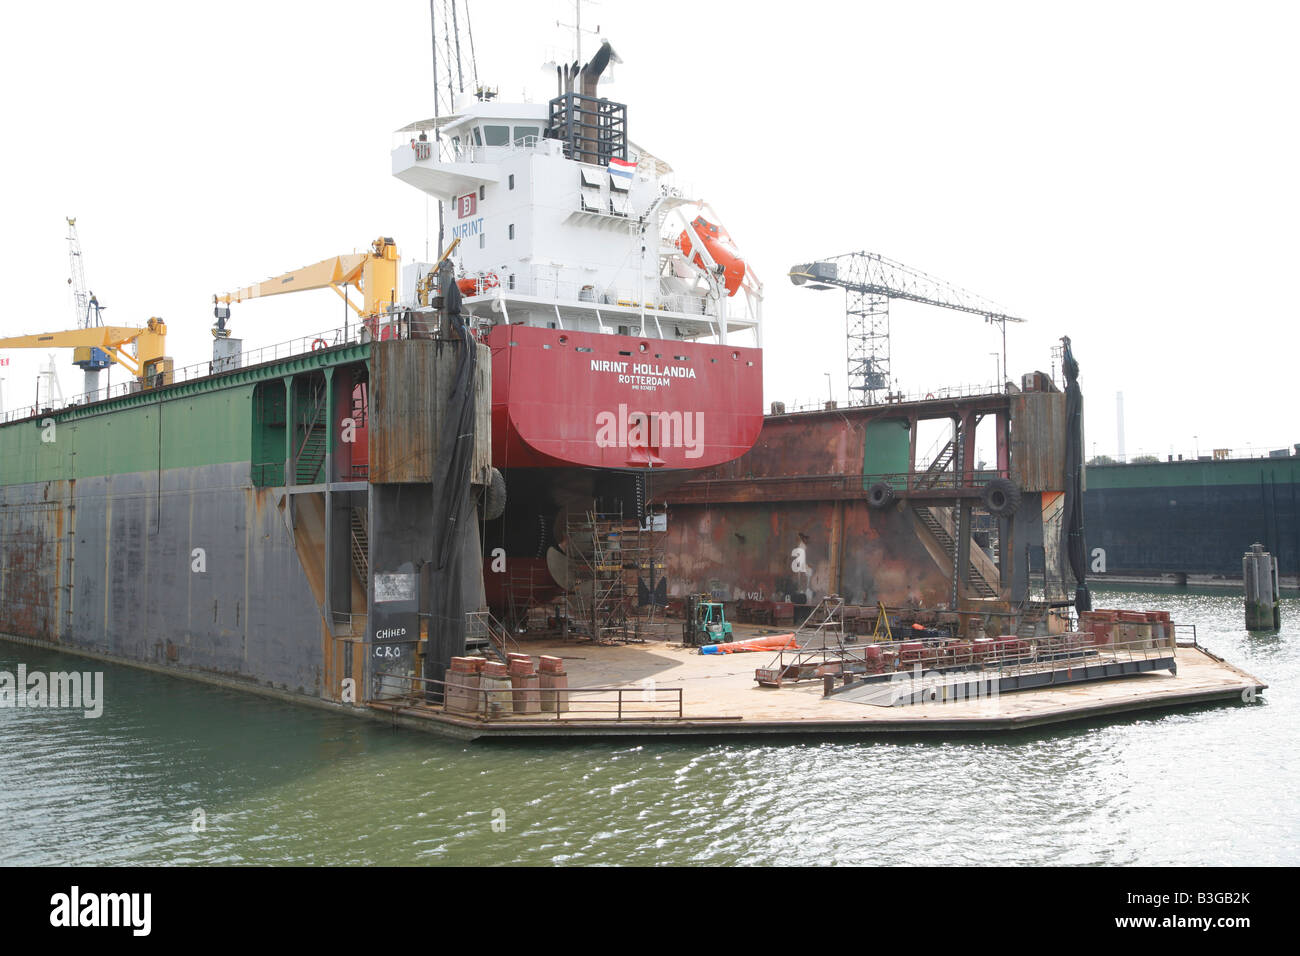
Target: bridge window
[[496, 135], [523, 133]]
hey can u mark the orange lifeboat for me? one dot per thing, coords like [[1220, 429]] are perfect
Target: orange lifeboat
[[718, 243], [471, 286]]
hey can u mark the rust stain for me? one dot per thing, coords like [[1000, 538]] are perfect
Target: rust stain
[[797, 498]]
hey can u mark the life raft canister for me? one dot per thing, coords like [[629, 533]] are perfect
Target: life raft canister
[[719, 247]]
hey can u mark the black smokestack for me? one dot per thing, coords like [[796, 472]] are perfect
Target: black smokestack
[[592, 71]]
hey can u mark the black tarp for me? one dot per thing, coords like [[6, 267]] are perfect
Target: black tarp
[[1072, 524], [453, 503]]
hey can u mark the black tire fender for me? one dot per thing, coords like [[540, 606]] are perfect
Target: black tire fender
[[494, 496], [880, 495], [1001, 497]]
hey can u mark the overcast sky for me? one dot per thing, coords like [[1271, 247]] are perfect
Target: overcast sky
[[1122, 173]]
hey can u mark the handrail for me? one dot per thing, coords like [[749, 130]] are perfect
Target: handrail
[[1008, 655], [390, 327], [321, 397], [493, 703]]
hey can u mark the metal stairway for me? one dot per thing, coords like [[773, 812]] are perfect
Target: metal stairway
[[949, 546], [930, 477], [311, 454], [360, 547], [484, 633]]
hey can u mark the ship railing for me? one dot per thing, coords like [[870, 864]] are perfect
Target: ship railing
[[541, 283], [468, 700], [1283, 452], [811, 486], [1181, 632], [1003, 656], [481, 626], [394, 327], [974, 390], [475, 153]]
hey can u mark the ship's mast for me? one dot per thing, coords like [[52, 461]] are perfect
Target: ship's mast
[[578, 31], [447, 20]]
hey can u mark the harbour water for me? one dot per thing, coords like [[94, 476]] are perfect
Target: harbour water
[[176, 772]]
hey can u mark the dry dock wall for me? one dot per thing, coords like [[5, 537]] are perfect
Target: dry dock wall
[[791, 520], [220, 528], [1193, 517], [134, 530], [190, 567], [142, 530]]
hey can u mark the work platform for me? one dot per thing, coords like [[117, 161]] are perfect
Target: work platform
[[658, 689]]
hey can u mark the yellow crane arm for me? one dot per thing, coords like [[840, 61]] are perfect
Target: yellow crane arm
[[374, 272], [147, 345], [341, 270]]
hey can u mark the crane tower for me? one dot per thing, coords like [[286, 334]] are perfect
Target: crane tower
[[869, 281]]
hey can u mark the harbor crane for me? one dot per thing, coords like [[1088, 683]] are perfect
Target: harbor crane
[[95, 346], [869, 281], [373, 272], [140, 351]]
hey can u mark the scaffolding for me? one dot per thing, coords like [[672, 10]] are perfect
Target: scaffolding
[[617, 591], [531, 604]]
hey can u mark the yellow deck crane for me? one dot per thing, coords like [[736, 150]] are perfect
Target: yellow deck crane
[[142, 352], [373, 272]]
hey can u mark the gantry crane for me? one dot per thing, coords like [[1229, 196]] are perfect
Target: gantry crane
[[140, 351], [869, 281], [373, 272]]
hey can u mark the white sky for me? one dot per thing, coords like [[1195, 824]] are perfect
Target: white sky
[[1122, 173]]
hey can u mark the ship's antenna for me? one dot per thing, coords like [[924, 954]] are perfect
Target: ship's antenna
[[577, 32], [473, 60], [437, 130], [455, 29]]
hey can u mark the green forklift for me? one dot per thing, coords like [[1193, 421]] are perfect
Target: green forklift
[[705, 621]]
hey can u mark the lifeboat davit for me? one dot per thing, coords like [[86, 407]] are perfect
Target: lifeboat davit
[[719, 246]]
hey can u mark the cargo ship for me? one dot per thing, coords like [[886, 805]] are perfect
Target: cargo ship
[[1190, 521], [624, 327], [304, 518]]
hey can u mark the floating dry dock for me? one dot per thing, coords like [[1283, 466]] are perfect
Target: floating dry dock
[[657, 689]]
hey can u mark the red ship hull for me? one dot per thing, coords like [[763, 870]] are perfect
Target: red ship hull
[[581, 416], [583, 400]]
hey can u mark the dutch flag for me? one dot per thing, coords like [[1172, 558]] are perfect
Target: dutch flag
[[621, 168]]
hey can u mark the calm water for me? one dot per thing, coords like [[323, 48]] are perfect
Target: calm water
[[279, 783]]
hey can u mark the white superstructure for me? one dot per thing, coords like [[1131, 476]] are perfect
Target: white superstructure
[[567, 224]]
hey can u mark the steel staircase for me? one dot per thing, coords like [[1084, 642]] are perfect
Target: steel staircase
[[311, 453], [930, 477], [360, 547], [940, 534]]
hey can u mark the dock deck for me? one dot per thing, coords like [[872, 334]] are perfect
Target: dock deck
[[720, 697]]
